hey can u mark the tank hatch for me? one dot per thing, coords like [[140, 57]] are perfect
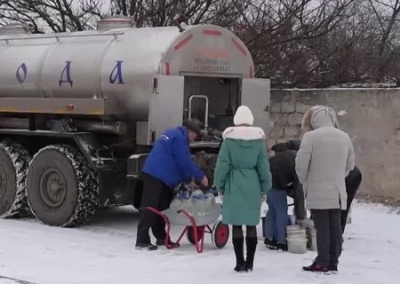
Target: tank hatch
[[115, 22], [15, 29]]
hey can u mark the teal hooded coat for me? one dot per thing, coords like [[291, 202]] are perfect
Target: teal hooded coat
[[242, 175]]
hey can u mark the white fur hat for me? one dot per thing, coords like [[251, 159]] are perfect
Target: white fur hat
[[243, 116]]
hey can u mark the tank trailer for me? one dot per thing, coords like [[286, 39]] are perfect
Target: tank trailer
[[79, 111]]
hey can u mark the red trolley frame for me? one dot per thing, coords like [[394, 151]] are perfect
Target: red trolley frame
[[195, 234]]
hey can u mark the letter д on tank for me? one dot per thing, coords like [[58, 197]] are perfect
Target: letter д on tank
[[21, 73], [116, 74], [66, 75]]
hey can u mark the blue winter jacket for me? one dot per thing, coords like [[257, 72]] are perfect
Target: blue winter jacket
[[170, 159]]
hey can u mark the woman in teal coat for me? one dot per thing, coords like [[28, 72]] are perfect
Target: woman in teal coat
[[243, 178]]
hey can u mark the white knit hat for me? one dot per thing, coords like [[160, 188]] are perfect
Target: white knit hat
[[243, 116]]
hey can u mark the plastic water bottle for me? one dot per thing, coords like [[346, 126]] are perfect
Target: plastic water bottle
[[186, 204], [205, 204], [209, 201], [197, 202], [197, 192], [176, 202]]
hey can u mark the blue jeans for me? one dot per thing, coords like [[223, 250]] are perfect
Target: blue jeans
[[277, 216]]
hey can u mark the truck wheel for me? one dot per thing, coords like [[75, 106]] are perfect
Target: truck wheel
[[14, 162], [62, 188]]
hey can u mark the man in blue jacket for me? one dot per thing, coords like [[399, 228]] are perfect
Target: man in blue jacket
[[168, 164]]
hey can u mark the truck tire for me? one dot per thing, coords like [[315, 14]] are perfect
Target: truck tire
[[62, 188], [14, 162]]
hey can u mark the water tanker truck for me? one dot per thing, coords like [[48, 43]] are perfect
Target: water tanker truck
[[79, 111]]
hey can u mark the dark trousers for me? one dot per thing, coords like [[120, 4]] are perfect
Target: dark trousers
[[298, 200], [159, 196], [351, 192], [297, 193], [329, 235]]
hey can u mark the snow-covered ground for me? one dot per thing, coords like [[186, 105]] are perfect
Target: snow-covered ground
[[103, 252]]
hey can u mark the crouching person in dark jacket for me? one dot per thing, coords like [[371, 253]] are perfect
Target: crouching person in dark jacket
[[284, 183], [352, 181], [168, 164]]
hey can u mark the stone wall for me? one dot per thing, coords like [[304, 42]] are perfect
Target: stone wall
[[370, 116]]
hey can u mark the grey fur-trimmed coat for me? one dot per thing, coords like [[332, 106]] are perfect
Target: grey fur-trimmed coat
[[325, 158]]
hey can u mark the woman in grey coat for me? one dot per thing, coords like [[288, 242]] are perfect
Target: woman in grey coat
[[325, 158]]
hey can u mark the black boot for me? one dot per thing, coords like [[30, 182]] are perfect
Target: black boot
[[251, 244], [238, 246], [282, 247], [271, 244], [145, 246], [161, 242]]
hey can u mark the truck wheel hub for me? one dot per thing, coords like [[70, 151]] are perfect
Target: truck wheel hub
[[52, 188]]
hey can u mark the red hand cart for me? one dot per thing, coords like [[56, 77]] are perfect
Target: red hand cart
[[195, 226]]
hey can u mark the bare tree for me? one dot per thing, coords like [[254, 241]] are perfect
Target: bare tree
[[284, 37], [53, 15], [78, 15], [164, 12], [387, 44]]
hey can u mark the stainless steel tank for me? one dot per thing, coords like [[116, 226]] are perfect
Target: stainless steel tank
[[111, 65]]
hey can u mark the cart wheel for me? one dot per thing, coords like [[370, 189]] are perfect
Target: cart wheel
[[220, 234], [190, 234]]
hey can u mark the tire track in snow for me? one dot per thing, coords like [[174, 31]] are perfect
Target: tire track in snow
[[19, 281]]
